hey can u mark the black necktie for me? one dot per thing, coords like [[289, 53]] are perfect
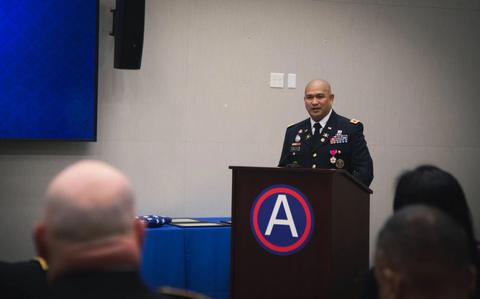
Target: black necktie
[[316, 134]]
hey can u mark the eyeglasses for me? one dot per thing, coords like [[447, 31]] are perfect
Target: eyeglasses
[[318, 96]]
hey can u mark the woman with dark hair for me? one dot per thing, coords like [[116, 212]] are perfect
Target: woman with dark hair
[[429, 185]]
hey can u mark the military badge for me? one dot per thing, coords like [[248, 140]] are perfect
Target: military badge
[[332, 158], [340, 163], [295, 147], [297, 138], [339, 138]]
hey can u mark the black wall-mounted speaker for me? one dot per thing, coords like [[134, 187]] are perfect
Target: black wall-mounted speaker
[[128, 27]]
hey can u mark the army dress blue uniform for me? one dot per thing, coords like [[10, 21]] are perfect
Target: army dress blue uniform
[[342, 146], [103, 284]]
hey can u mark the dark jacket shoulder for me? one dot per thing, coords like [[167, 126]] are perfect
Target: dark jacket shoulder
[[347, 123], [300, 125]]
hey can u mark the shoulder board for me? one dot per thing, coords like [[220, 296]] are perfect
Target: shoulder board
[[291, 125], [354, 121], [42, 262]]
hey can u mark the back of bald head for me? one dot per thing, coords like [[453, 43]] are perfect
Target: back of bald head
[[88, 201], [319, 82]]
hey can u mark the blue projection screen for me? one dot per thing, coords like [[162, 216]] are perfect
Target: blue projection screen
[[48, 69]]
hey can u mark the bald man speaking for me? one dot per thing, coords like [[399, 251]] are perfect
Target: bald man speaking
[[326, 139]]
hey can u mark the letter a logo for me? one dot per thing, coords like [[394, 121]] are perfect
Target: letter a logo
[[281, 200], [281, 219]]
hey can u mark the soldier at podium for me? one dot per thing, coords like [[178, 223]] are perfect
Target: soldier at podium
[[326, 139]]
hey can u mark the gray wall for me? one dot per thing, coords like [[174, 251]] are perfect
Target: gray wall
[[202, 100]]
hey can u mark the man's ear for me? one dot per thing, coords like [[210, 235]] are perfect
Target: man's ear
[[139, 230], [389, 282], [39, 238]]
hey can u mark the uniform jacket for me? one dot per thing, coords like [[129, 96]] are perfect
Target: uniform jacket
[[23, 280], [102, 284], [342, 146]]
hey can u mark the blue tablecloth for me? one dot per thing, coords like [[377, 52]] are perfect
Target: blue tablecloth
[[196, 259]]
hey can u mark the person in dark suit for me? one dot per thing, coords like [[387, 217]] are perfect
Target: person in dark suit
[[24, 280], [326, 139], [89, 236], [421, 252], [431, 186]]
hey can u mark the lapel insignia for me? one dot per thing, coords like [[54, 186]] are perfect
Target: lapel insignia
[[305, 135]]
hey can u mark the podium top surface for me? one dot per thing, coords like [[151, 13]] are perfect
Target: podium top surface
[[308, 170]]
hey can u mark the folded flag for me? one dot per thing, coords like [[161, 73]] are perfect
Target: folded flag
[[154, 220]]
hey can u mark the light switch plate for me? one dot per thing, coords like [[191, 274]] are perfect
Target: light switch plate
[[276, 80], [292, 80]]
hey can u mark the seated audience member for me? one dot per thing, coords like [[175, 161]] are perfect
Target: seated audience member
[[429, 185], [24, 280], [421, 253], [432, 186], [89, 235]]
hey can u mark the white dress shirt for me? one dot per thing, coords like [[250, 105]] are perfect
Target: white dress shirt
[[323, 122]]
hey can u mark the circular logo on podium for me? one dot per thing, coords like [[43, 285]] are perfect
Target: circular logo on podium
[[281, 219]]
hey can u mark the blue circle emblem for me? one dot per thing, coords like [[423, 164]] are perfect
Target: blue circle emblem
[[281, 219]]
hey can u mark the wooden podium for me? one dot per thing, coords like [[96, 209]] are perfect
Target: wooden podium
[[330, 264]]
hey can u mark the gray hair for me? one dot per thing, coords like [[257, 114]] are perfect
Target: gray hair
[[89, 201], [72, 221]]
